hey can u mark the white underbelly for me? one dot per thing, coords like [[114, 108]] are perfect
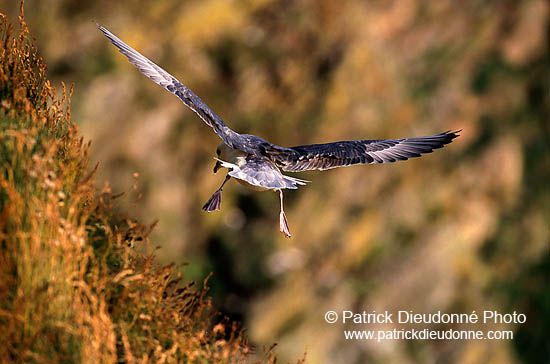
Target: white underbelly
[[250, 186]]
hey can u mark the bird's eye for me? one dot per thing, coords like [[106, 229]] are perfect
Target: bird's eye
[[218, 152]]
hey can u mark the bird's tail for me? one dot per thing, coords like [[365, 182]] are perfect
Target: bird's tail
[[293, 181]]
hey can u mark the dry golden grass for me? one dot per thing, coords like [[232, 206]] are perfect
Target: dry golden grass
[[72, 287]]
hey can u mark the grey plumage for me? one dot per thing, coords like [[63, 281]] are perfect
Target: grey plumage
[[257, 162], [346, 153], [170, 83], [261, 172]]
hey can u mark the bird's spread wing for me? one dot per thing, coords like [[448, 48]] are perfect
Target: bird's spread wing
[[169, 82], [346, 153]]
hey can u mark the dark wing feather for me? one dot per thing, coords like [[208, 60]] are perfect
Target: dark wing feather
[[169, 82], [347, 153]]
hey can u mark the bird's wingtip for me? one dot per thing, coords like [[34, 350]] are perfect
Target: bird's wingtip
[[452, 134], [103, 29]]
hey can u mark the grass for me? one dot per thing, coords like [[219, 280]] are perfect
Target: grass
[[72, 287]]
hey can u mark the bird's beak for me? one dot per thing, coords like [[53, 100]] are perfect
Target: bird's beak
[[217, 166]]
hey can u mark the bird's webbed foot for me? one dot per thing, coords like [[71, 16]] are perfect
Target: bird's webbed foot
[[283, 224], [214, 203]]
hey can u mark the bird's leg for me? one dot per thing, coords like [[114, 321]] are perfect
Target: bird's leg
[[283, 224], [214, 203]]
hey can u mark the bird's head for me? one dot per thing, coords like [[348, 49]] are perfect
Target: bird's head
[[218, 164], [228, 154]]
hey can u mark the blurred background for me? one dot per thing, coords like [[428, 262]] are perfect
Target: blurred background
[[465, 228]]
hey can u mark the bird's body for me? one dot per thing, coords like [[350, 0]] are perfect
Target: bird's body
[[257, 163], [256, 173]]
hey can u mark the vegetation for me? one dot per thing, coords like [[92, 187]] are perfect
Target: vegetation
[[462, 229], [72, 287]]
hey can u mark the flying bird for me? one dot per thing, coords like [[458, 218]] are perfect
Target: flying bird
[[257, 163]]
